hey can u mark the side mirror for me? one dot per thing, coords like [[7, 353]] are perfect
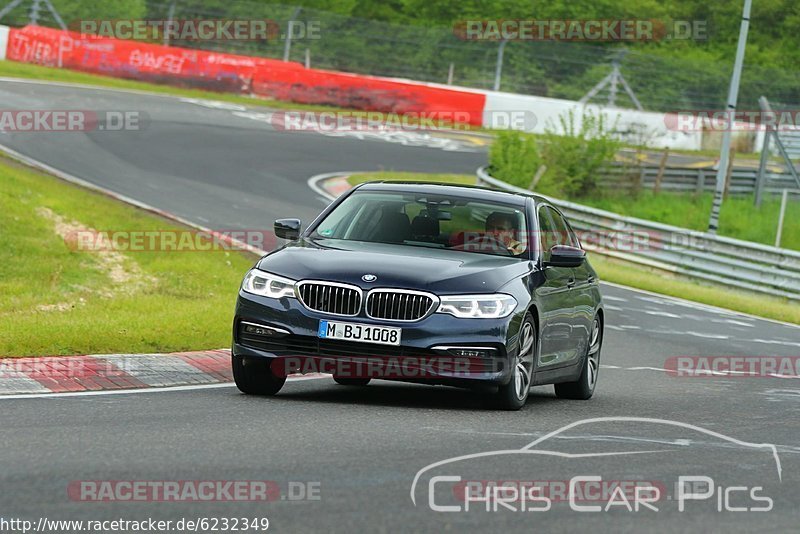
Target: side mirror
[[288, 228], [566, 256]]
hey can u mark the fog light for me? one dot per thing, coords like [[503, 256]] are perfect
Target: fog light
[[262, 330], [468, 352]]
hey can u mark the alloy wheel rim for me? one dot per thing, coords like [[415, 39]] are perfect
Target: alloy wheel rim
[[593, 357], [524, 363]]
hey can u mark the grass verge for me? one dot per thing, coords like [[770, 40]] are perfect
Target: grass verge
[[739, 218], [628, 274], [59, 301], [636, 276]]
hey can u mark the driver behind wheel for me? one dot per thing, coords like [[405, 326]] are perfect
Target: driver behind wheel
[[503, 227]]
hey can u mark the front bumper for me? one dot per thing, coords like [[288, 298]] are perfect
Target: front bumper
[[415, 360]]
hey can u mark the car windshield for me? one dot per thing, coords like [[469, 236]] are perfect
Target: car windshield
[[426, 220]]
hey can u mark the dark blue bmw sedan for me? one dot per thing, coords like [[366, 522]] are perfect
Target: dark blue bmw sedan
[[438, 284]]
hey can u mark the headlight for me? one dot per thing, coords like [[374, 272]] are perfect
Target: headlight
[[478, 306], [267, 284]]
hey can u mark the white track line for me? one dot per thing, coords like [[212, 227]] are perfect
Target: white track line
[[313, 182], [698, 305], [168, 389], [115, 392]]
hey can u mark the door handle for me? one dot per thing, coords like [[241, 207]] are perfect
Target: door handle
[[590, 279], [570, 283]]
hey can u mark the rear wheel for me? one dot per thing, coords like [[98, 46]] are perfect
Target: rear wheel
[[351, 381], [513, 395], [584, 388], [254, 376]]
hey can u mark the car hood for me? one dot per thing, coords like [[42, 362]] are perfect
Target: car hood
[[397, 266]]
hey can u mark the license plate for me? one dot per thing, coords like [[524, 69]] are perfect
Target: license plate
[[364, 333]]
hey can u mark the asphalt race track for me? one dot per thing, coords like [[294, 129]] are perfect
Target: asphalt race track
[[207, 165], [353, 454]]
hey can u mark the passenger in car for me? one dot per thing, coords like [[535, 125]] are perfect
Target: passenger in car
[[503, 227]]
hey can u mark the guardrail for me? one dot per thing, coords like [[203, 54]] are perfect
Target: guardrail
[[689, 179], [732, 262]]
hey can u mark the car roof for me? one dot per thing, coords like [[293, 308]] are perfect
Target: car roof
[[462, 190]]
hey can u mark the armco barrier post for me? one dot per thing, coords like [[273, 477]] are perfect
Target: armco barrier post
[[701, 182], [762, 167], [660, 176], [784, 198], [728, 174]]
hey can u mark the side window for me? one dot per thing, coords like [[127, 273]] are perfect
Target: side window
[[573, 237], [547, 232], [562, 233]]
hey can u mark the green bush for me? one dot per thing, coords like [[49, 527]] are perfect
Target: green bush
[[515, 157], [573, 152]]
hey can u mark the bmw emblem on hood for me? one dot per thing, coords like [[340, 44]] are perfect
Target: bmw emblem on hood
[[369, 278]]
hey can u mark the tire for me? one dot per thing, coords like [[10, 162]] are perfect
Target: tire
[[584, 388], [513, 395], [254, 376], [351, 381]]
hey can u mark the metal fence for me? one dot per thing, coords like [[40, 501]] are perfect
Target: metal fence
[[791, 140], [732, 262], [689, 179], [662, 79]]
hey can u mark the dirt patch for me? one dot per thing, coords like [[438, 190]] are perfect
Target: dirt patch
[[125, 274]]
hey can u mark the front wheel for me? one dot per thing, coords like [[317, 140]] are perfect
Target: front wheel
[[513, 395], [584, 388], [254, 376]]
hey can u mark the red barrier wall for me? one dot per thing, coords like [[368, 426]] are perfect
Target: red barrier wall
[[135, 60], [311, 86], [233, 73]]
